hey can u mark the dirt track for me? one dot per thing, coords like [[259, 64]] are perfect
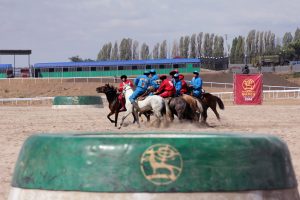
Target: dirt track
[[280, 118]]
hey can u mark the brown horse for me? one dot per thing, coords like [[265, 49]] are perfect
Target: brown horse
[[195, 105], [114, 104], [113, 101], [210, 101], [182, 109]]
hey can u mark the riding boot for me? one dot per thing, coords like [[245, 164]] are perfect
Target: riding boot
[[136, 106]]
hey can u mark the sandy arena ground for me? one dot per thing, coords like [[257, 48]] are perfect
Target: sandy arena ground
[[279, 118]]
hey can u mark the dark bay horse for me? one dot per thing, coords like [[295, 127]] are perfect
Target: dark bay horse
[[210, 101], [113, 101], [114, 104], [182, 109]]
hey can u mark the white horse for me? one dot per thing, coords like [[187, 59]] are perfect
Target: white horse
[[155, 102]]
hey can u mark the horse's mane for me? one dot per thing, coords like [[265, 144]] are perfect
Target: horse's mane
[[111, 87]]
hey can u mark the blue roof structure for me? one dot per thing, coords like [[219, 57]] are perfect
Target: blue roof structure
[[295, 62], [117, 63], [5, 66]]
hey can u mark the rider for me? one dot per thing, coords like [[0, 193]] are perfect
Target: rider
[[142, 83], [245, 69], [196, 85], [173, 72], [177, 84], [166, 88], [183, 84], [121, 97], [154, 77]]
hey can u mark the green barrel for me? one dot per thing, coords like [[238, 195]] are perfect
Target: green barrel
[[156, 164], [77, 101]]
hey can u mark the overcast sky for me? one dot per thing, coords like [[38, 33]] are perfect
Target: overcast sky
[[57, 29]]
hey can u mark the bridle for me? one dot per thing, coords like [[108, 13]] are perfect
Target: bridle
[[126, 87]]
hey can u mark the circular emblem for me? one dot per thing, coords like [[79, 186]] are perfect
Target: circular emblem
[[248, 84], [161, 164]]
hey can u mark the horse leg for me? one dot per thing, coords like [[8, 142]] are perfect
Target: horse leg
[[169, 113], [116, 118], [134, 118], [124, 117], [204, 115], [136, 115], [216, 113], [108, 117], [147, 116]]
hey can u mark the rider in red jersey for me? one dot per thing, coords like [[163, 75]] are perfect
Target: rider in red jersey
[[183, 84], [121, 96], [166, 88]]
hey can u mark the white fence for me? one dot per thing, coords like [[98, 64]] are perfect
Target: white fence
[[230, 85], [225, 96], [267, 94]]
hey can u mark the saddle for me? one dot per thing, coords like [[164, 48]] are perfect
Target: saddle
[[144, 96]]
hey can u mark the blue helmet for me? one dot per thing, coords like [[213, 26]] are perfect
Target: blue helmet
[[152, 71], [196, 72], [176, 75]]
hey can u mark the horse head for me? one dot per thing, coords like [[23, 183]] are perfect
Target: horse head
[[105, 88], [101, 89]]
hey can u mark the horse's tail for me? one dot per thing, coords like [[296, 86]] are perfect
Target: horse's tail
[[220, 103]]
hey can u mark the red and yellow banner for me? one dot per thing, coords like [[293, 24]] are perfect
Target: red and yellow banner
[[248, 89]]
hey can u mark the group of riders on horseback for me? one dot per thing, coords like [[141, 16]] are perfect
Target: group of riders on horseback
[[151, 84]]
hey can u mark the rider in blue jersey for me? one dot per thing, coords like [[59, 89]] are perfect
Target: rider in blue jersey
[[177, 84], [154, 78], [142, 83], [196, 85]]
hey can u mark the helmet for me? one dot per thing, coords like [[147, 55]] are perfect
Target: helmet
[[172, 72], [162, 77], [196, 72], [176, 75], [146, 72], [152, 71], [123, 76]]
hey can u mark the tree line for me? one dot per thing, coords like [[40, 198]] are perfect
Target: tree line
[[257, 43], [194, 46], [264, 43]]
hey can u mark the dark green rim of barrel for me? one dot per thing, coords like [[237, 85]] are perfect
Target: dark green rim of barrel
[[77, 100], [111, 162]]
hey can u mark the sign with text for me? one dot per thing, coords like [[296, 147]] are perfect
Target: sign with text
[[248, 89]]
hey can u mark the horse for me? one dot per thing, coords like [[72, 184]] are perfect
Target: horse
[[183, 109], [210, 101], [195, 105], [112, 98], [154, 102]]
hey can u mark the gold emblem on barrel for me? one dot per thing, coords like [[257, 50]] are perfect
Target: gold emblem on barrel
[[161, 164]]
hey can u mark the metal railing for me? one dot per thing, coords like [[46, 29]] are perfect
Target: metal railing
[[225, 96], [267, 94]]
